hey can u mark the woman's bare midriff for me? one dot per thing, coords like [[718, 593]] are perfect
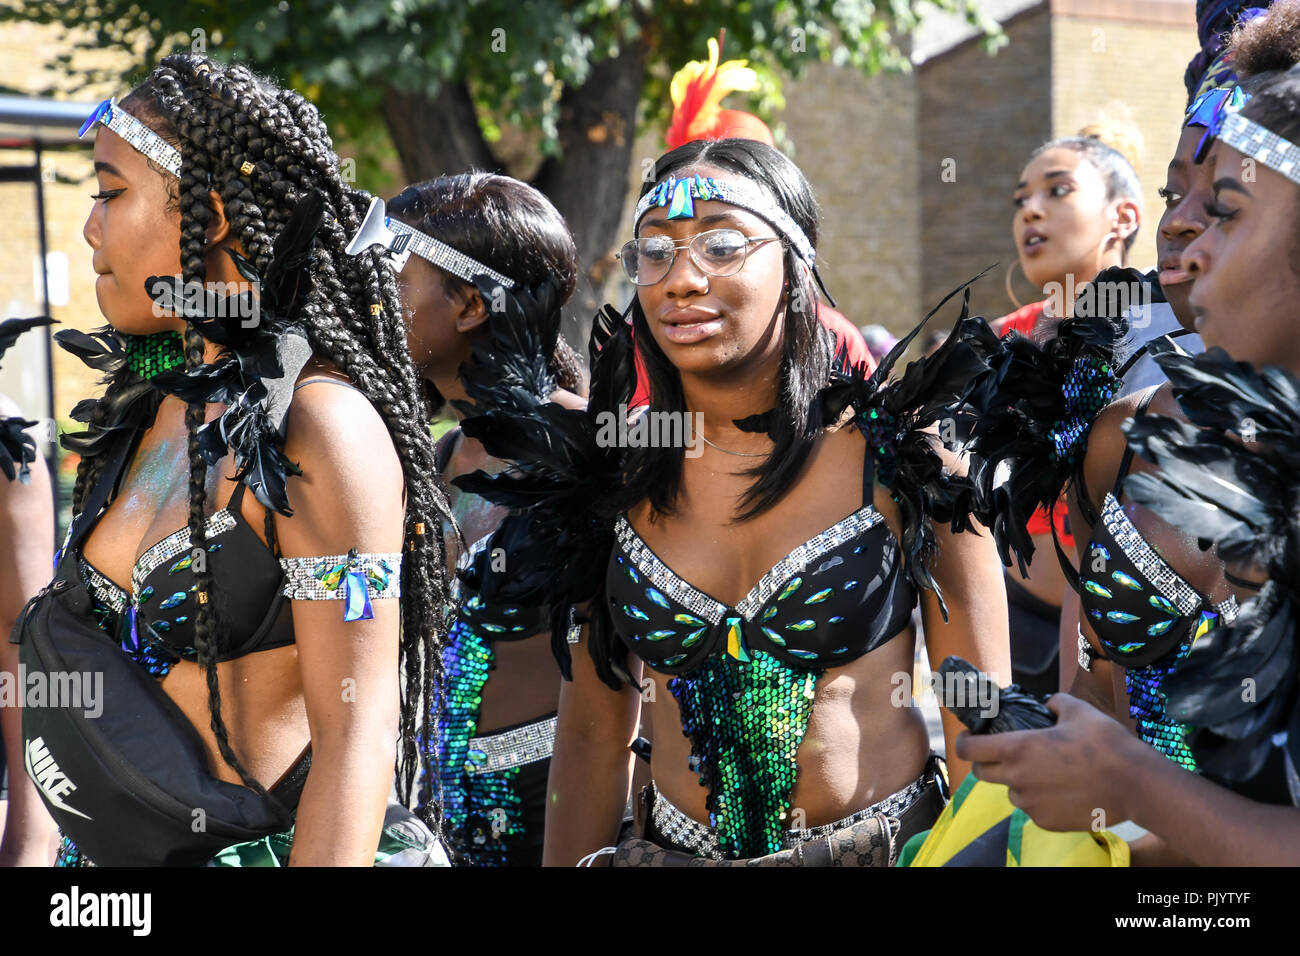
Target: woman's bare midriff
[[523, 687], [261, 700]]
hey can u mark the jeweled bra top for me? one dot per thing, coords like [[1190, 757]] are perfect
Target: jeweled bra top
[[1139, 607], [252, 589], [837, 596], [503, 621]]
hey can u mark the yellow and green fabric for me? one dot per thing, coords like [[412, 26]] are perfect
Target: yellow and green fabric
[[981, 827]]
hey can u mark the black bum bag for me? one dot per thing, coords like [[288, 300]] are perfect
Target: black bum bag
[[129, 786]]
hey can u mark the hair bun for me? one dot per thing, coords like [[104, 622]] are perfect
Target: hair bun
[[1267, 43], [1114, 127]]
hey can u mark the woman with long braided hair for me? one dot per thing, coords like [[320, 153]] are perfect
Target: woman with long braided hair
[[215, 176]]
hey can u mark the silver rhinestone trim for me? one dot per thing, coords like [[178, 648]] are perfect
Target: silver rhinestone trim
[[702, 839], [801, 557], [176, 544], [514, 748], [444, 256], [1086, 653], [1227, 609], [103, 590], [301, 583], [662, 577], [1181, 594], [1259, 142], [141, 138], [574, 634]]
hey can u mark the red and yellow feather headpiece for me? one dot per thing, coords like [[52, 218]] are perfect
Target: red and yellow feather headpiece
[[697, 90]]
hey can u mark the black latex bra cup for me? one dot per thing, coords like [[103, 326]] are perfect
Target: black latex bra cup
[[156, 619], [495, 620]]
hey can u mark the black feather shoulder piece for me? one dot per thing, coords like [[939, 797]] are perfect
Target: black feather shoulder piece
[[1038, 409], [904, 419], [263, 349], [123, 411], [17, 448], [563, 480], [1236, 480]]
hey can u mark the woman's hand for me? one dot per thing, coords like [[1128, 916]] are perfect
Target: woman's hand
[[1068, 777], [1088, 763]]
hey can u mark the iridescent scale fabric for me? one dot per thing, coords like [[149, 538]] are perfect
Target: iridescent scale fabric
[[483, 811], [746, 720], [1147, 703]]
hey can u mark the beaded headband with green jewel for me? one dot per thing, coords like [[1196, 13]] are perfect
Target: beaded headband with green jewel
[[679, 196]]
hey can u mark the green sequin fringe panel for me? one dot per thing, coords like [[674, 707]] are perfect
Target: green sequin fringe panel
[[1147, 705], [745, 721]]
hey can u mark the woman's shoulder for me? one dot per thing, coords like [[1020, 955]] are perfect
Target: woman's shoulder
[[337, 437], [1106, 441]]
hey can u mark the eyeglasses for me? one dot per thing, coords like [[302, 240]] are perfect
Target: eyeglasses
[[717, 252]]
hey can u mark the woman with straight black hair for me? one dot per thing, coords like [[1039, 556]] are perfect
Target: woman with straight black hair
[[756, 555]]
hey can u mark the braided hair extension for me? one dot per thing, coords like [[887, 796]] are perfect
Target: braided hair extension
[[221, 117]]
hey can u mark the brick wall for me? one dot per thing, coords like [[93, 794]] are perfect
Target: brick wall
[[1120, 66], [855, 139], [986, 114]]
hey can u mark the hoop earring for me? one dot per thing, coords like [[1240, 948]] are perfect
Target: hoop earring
[[1101, 250], [1006, 284]]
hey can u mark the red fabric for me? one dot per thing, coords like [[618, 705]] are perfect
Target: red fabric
[[1023, 321], [846, 334]]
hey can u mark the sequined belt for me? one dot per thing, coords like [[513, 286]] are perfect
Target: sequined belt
[[511, 748], [699, 838]]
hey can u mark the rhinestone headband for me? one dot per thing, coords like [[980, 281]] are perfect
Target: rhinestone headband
[[381, 229], [1248, 137], [679, 196], [140, 137]]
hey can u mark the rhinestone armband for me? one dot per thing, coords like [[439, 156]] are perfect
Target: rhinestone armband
[[352, 578]]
